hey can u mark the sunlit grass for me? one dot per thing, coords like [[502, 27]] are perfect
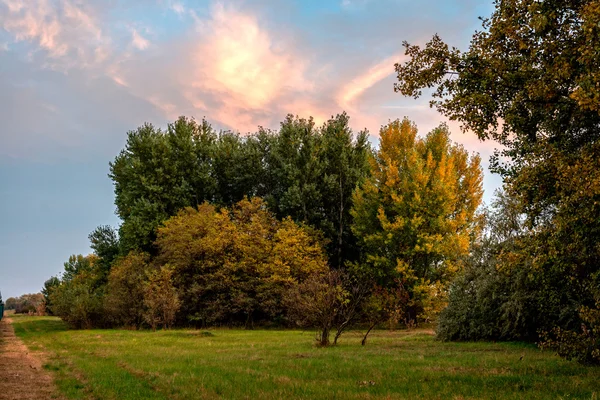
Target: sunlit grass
[[237, 364]]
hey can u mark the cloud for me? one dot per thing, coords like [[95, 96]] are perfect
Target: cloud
[[177, 7], [66, 31], [358, 85], [242, 65], [138, 41]]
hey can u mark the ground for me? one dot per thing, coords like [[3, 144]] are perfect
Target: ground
[[21, 373], [275, 364]]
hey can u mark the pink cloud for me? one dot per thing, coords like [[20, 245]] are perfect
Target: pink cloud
[[65, 30], [138, 41]]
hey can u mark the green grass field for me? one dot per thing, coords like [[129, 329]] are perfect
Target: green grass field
[[237, 364]]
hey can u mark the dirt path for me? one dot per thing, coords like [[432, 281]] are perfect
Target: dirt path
[[21, 374]]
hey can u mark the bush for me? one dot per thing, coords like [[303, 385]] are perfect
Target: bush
[[124, 301], [79, 301], [582, 346], [160, 298]]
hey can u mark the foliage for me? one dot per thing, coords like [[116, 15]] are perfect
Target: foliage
[[11, 303], [529, 76], [529, 81], [302, 172], [105, 243], [78, 264], [159, 173], [415, 217], [384, 304], [79, 298], [317, 303], [583, 346], [25, 304], [49, 286], [160, 298], [233, 266], [124, 302], [312, 173]]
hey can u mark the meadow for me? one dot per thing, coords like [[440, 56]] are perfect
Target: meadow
[[272, 364]]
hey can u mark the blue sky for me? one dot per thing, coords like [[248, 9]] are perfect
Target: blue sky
[[76, 75]]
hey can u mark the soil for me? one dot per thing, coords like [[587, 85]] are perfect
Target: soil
[[21, 373]]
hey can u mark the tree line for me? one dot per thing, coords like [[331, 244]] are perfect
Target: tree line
[[220, 228]]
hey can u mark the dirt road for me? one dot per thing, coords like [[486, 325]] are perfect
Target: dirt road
[[21, 373]]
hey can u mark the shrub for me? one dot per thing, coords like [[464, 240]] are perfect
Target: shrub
[[160, 298], [582, 346]]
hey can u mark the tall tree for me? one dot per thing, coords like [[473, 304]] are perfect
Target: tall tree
[[313, 172], [157, 174], [415, 217]]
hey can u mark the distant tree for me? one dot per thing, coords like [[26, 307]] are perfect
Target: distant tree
[[11, 303], [49, 286], [415, 216], [28, 303]]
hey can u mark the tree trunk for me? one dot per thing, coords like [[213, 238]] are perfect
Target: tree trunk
[[364, 340], [324, 337]]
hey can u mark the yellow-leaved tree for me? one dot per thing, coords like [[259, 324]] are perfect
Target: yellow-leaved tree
[[416, 215]]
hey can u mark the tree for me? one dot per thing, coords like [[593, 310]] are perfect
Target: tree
[[529, 76], [529, 80], [312, 172], [79, 298], [159, 173], [124, 301], [11, 303], [160, 298], [316, 303], [415, 217], [28, 303], [105, 243], [234, 265], [78, 264], [49, 286]]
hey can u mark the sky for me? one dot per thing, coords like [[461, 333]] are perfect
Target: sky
[[76, 75]]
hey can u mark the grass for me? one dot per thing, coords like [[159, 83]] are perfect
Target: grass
[[236, 364]]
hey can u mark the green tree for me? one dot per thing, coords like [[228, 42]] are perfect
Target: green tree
[[415, 217], [312, 173], [78, 264], [79, 298], [124, 302], [49, 286], [105, 243], [157, 174]]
